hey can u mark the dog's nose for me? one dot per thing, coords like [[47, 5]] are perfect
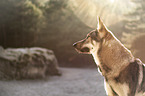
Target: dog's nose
[[75, 44]]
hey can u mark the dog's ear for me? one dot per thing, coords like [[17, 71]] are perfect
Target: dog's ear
[[101, 27]]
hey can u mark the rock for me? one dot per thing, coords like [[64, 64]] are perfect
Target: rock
[[27, 63]]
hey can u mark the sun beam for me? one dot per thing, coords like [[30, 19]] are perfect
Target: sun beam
[[112, 1], [108, 10]]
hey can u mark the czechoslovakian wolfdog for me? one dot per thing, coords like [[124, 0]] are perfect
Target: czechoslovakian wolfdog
[[123, 73]]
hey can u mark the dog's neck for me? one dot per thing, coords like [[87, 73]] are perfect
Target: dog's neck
[[112, 57]]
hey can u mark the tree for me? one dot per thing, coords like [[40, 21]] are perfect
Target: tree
[[134, 37], [21, 21]]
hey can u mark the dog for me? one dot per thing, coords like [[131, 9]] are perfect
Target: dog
[[123, 73]]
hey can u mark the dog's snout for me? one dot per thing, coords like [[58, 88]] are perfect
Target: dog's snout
[[75, 44]]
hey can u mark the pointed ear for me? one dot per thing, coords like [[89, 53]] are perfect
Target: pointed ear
[[101, 27]]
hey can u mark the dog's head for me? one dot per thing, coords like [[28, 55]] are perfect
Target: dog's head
[[92, 42]]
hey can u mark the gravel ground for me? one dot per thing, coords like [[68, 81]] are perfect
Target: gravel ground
[[73, 82]]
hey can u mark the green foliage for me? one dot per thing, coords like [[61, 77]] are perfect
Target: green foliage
[[54, 25], [20, 19], [62, 29], [46, 23]]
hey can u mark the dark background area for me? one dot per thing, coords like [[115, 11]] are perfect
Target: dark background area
[[57, 24]]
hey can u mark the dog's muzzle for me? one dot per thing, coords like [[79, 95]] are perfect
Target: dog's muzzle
[[79, 49], [74, 45]]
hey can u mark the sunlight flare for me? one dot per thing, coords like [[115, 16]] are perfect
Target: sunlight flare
[[112, 1], [108, 10]]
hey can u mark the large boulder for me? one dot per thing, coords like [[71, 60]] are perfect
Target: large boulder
[[27, 63]]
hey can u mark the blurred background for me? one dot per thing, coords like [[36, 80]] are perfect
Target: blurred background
[[57, 24]]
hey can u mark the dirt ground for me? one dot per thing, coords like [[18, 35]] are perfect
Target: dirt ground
[[73, 82]]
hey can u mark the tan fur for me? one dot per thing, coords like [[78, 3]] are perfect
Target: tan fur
[[115, 55], [120, 89], [108, 89], [112, 58], [113, 52]]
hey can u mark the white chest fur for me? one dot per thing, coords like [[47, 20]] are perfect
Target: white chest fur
[[96, 58], [94, 52]]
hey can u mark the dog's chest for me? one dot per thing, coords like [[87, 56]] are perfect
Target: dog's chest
[[120, 89], [96, 58]]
